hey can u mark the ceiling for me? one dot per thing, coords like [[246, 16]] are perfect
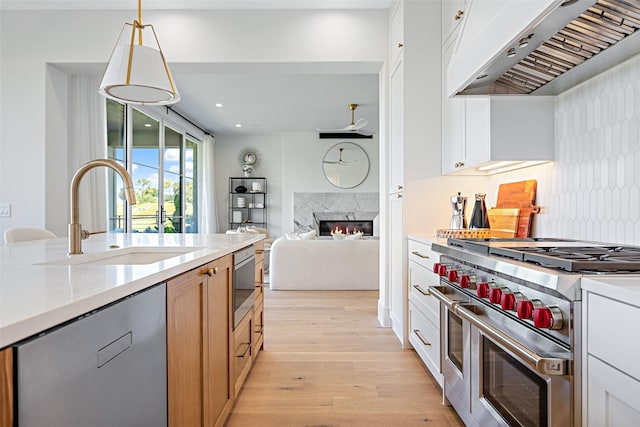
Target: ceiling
[[262, 98]]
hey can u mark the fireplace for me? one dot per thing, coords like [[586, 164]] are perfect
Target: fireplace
[[346, 222]]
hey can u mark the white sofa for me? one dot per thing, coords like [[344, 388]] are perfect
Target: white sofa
[[324, 264]]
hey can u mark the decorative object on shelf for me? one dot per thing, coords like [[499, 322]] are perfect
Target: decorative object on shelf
[[346, 165], [256, 187], [137, 72], [458, 219], [241, 189], [479, 218], [247, 170], [237, 216], [241, 201]]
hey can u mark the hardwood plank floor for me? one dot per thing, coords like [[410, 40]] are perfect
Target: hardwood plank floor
[[327, 363]]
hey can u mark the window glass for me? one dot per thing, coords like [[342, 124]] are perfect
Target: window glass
[[145, 171], [116, 126]]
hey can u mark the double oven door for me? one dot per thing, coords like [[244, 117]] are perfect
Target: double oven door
[[492, 378]]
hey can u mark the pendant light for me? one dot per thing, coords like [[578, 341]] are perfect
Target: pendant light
[[137, 72]]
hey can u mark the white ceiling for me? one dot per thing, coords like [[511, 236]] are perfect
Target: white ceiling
[[263, 98]]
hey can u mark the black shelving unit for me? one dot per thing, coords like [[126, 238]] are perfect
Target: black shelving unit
[[249, 207]]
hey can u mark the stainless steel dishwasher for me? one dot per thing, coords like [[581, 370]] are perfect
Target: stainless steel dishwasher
[[106, 368]]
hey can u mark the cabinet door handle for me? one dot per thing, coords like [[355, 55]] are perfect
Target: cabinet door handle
[[421, 338], [399, 196], [459, 164], [258, 330], [422, 291], [246, 350], [420, 255], [400, 45], [259, 251], [400, 187], [212, 271], [458, 15]]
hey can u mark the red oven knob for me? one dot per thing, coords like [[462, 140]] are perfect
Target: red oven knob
[[525, 309], [547, 317], [436, 267], [453, 275], [482, 289], [442, 270], [508, 301], [495, 294], [464, 281]]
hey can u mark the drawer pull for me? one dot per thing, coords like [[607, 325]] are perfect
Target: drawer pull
[[422, 291], [246, 350], [258, 330], [458, 15], [421, 338], [212, 271], [259, 251], [416, 253]]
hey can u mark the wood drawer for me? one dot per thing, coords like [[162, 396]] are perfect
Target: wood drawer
[[259, 280], [425, 338], [242, 351], [422, 254], [606, 319], [258, 329], [419, 279], [259, 247]]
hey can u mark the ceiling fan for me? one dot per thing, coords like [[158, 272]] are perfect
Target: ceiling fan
[[339, 161], [353, 130]]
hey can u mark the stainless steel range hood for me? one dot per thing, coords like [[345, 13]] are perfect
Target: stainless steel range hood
[[568, 44]]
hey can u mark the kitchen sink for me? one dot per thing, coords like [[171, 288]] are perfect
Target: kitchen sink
[[125, 256]]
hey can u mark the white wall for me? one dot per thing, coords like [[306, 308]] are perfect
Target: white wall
[[29, 40], [269, 165], [592, 189]]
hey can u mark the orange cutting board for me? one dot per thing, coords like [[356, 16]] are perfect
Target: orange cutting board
[[521, 195]]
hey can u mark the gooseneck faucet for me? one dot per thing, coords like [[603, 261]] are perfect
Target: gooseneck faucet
[[76, 233]]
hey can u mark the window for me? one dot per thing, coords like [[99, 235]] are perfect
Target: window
[[162, 162]]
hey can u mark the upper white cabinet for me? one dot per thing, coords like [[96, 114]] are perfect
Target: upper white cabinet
[[482, 132], [396, 31], [453, 13]]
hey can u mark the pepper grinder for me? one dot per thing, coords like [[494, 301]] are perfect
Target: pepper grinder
[[458, 205]]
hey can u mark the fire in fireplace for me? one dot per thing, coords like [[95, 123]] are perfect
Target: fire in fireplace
[[358, 222]]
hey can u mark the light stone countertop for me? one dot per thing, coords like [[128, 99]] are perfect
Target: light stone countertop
[[36, 297], [625, 288]]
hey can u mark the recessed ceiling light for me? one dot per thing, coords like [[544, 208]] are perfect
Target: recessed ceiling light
[[481, 76], [147, 125], [238, 125], [219, 105], [511, 53]]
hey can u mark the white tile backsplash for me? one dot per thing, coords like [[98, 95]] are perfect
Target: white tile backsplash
[[591, 190]]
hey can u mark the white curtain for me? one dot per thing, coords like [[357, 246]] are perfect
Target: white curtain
[[88, 141], [209, 213]]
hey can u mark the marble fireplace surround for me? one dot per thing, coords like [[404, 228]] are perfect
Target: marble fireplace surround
[[305, 204]]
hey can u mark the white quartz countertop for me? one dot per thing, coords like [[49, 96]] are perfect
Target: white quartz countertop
[[426, 238], [35, 297], [622, 288]]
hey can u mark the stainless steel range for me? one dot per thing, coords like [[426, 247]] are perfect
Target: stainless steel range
[[511, 325]]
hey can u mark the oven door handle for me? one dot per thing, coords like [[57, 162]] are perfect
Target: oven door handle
[[543, 365], [437, 292]]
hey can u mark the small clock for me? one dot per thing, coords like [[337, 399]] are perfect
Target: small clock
[[249, 158]]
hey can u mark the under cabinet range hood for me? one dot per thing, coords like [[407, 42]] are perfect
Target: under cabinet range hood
[[567, 43]]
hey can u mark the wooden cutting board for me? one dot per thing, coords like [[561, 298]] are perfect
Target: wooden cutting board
[[503, 222], [521, 195]]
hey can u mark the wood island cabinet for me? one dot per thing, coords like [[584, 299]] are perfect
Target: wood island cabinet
[[258, 308], [6, 387], [199, 319]]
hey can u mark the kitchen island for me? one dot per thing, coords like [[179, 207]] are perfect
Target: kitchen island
[[35, 297], [43, 289]]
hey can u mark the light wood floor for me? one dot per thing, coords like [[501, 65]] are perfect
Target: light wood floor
[[327, 363]]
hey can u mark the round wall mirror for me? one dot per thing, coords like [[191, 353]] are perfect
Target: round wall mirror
[[346, 165]]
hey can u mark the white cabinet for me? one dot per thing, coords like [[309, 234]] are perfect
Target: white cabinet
[[424, 309], [396, 127], [398, 292], [482, 132], [396, 31], [453, 13], [611, 380]]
